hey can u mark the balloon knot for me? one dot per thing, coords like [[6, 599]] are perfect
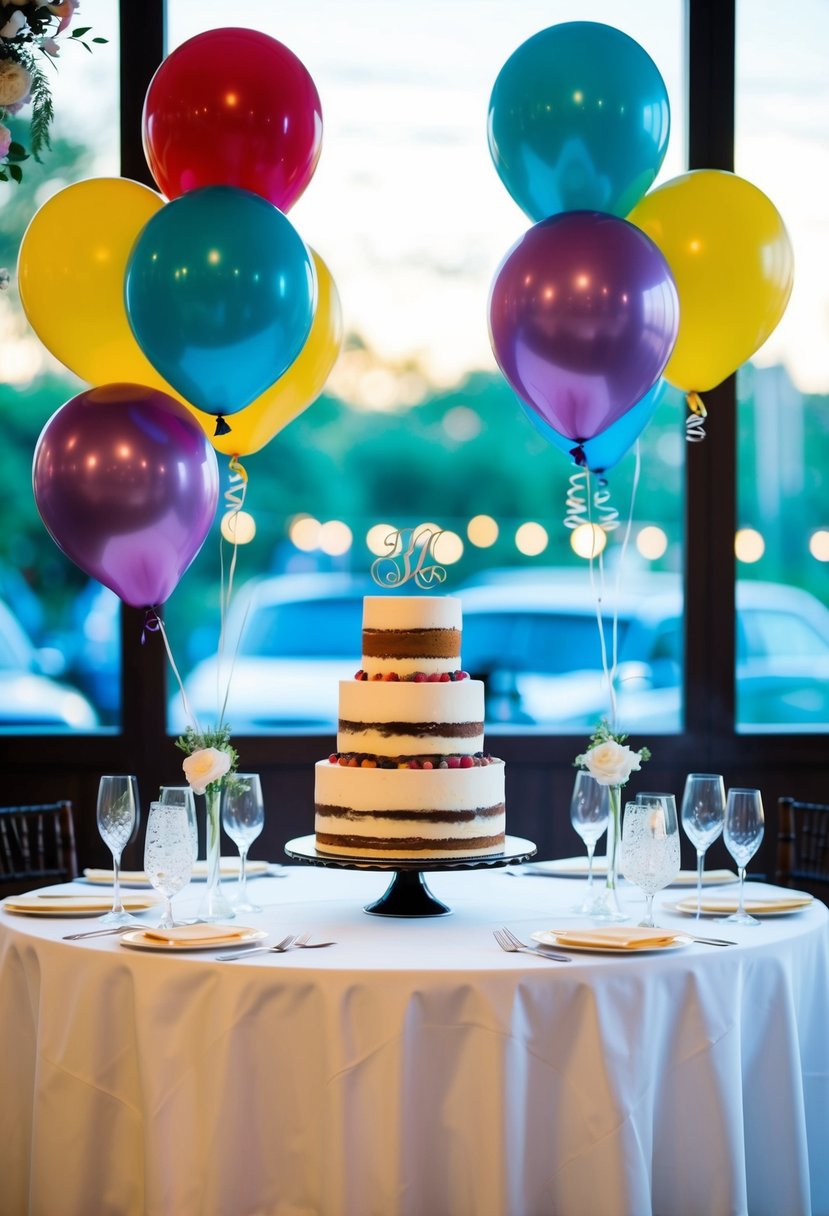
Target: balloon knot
[[151, 624], [222, 427], [579, 455]]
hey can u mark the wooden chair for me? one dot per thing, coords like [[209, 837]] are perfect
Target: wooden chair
[[803, 846], [37, 846]]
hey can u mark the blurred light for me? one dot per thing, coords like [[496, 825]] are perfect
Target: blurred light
[[531, 539], [378, 539], [462, 423], [749, 545], [448, 548], [482, 531], [238, 527], [652, 543], [304, 532], [588, 540], [335, 538], [819, 545]]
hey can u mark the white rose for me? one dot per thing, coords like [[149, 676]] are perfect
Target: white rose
[[610, 763], [204, 767]]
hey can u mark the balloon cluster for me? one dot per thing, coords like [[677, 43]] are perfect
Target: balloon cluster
[[590, 310], [180, 313]]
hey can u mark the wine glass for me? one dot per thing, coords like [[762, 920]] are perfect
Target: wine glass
[[742, 833], [703, 811], [589, 809], [243, 817], [182, 795], [117, 819], [650, 846], [168, 854]]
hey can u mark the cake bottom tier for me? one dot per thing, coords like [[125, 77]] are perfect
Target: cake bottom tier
[[409, 813]]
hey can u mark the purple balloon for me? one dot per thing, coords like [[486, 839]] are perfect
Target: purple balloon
[[126, 482], [583, 317]]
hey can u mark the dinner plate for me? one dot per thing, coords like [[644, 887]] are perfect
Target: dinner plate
[[546, 937], [576, 867], [137, 940], [137, 878], [758, 906], [74, 905]]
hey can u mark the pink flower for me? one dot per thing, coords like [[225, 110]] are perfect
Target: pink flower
[[50, 46], [5, 142], [65, 10]]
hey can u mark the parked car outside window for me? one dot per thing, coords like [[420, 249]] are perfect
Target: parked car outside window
[[30, 699]]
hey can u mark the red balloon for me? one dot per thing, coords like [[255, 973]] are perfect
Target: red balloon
[[233, 107]]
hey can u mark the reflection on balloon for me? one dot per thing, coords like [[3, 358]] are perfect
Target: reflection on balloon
[[233, 107], [578, 120], [605, 450], [127, 485], [220, 294], [302, 383], [71, 268], [733, 265], [583, 316]]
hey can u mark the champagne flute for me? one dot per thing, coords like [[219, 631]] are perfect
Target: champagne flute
[[168, 854], [589, 810], [703, 812], [182, 795], [742, 833], [117, 819], [650, 846], [243, 817]]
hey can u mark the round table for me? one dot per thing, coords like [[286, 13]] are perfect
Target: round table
[[415, 1068]]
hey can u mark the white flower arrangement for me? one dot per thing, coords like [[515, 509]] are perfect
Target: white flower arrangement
[[608, 759]]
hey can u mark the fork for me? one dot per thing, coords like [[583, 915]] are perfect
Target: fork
[[288, 943], [509, 942], [76, 937]]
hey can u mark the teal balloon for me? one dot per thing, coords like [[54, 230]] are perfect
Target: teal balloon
[[220, 293], [578, 120], [606, 449]]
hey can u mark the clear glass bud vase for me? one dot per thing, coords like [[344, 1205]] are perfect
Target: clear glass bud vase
[[607, 907], [214, 905]]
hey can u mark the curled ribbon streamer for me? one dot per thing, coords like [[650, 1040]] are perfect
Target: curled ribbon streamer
[[608, 516], [152, 624], [576, 504], [695, 422], [159, 625]]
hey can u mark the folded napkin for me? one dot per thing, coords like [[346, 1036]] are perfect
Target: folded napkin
[[197, 934], [130, 878], [65, 905], [616, 937], [730, 903]]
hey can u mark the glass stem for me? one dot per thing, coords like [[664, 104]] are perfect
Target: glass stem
[[169, 923], [700, 865], [243, 875], [741, 870], [591, 849], [117, 906], [648, 910]]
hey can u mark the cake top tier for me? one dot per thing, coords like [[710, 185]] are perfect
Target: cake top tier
[[411, 612], [404, 635]]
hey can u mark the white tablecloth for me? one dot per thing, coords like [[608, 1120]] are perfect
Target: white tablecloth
[[415, 1068]]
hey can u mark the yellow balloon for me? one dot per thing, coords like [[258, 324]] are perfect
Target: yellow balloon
[[732, 261], [255, 425], [71, 268]]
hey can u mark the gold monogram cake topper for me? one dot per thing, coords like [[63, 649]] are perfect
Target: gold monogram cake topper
[[409, 549]]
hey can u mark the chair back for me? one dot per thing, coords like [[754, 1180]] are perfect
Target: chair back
[[37, 846], [803, 846]]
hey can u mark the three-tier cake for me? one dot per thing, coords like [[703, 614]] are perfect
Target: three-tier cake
[[410, 777]]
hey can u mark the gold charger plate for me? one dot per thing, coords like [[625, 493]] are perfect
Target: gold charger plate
[[137, 939], [75, 905], [562, 941], [756, 906]]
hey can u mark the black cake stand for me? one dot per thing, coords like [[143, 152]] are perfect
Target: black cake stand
[[407, 893]]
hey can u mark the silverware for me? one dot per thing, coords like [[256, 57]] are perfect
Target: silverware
[[712, 941], [76, 937], [291, 942], [509, 942]]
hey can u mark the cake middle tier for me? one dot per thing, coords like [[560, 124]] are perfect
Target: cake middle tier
[[401, 718]]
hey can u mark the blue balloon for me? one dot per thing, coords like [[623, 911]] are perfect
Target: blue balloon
[[220, 294], [605, 450], [578, 120]]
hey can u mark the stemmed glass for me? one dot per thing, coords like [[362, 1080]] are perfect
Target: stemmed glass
[[117, 820], [589, 810], [182, 795], [168, 854], [742, 833], [243, 817], [703, 811], [650, 846]]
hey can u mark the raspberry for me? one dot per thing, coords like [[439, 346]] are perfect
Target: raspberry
[[359, 675], [413, 764], [368, 764], [428, 764], [433, 677], [333, 758], [467, 762], [463, 675], [420, 677], [352, 763], [445, 678], [453, 761], [392, 675], [378, 675]]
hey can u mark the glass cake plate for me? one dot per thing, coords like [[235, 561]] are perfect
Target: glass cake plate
[[407, 894]]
